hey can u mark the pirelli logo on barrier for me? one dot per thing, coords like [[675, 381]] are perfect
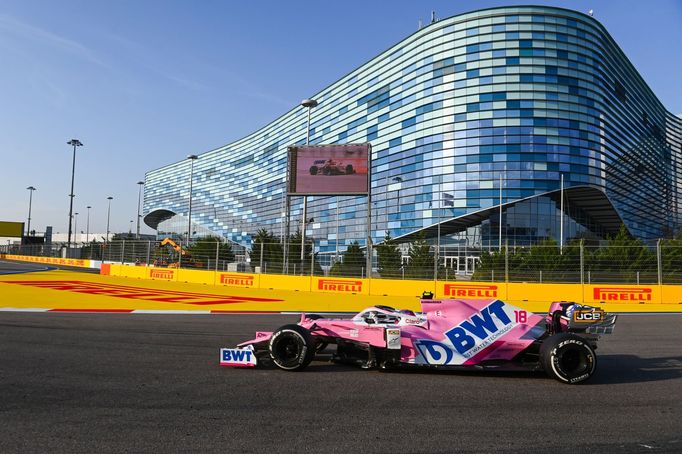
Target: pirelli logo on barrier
[[470, 290], [161, 274], [237, 280], [622, 294], [340, 285]]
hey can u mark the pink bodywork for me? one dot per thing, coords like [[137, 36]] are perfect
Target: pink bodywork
[[446, 332]]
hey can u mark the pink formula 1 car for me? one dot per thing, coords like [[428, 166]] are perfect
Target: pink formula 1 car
[[483, 334]]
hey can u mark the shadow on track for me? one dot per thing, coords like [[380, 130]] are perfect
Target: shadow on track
[[613, 369]]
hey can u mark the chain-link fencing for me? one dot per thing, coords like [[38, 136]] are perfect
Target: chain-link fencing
[[574, 263]]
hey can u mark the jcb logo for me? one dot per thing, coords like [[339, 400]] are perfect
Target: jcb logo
[[237, 280], [588, 316], [161, 274], [470, 291], [339, 285], [622, 294]]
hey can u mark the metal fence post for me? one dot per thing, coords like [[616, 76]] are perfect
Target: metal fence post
[[582, 261], [506, 260], [180, 254], [149, 252], [659, 262], [217, 254], [312, 261], [261, 256], [123, 248]]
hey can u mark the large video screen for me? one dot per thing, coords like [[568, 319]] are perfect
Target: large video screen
[[329, 169]]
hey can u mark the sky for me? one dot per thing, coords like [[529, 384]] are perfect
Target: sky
[[144, 83]]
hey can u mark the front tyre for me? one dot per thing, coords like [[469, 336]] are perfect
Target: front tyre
[[568, 358], [292, 348]]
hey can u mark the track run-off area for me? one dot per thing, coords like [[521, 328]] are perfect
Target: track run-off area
[[113, 382]]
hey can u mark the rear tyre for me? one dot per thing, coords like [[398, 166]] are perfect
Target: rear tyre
[[313, 170], [292, 348], [349, 169], [568, 358]]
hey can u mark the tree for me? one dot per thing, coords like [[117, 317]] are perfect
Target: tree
[[204, 249], [421, 259], [353, 263], [622, 259], [272, 252], [301, 267], [671, 260], [389, 258]]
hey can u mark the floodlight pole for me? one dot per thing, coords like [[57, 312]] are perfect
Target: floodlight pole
[[30, 202], [87, 226], [110, 198], [139, 195], [308, 104], [561, 222], [437, 254], [75, 143], [192, 158], [500, 226], [368, 274]]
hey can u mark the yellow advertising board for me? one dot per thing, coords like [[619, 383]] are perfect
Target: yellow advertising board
[[49, 260], [11, 229], [516, 293]]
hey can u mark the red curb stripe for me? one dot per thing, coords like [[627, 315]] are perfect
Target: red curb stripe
[[91, 310]]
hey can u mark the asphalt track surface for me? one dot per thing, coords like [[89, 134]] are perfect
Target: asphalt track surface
[[72, 382]]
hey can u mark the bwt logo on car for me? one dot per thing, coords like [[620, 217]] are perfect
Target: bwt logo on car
[[237, 357], [339, 285], [469, 337], [622, 294], [236, 279], [161, 274], [471, 290]]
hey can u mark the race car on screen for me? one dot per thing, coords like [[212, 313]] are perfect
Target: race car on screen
[[331, 167], [452, 333]]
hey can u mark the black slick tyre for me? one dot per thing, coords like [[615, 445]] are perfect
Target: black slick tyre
[[313, 170], [568, 358], [292, 348], [349, 169]]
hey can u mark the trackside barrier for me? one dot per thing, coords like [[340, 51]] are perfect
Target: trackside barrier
[[82, 263], [593, 294]]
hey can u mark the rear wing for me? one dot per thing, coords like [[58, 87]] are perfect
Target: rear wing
[[577, 318]]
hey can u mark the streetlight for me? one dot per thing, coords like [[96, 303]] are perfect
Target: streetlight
[[87, 226], [75, 228], [75, 143], [30, 201], [139, 195], [192, 158], [398, 180], [308, 104], [110, 198]]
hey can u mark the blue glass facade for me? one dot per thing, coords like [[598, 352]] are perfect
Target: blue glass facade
[[517, 96]]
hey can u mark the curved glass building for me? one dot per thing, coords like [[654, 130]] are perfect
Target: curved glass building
[[474, 122]]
